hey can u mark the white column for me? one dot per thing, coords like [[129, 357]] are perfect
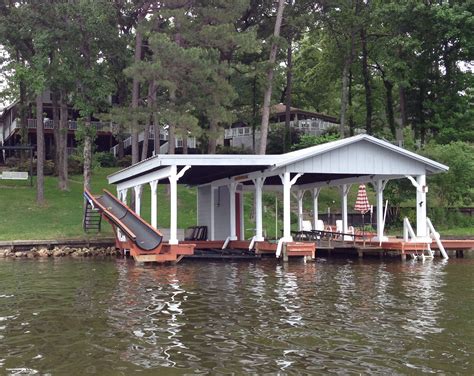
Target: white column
[[154, 202], [299, 197], [232, 189], [379, 187], [344, 192], [212, 231], [138, 198], [315, 195], [123, 196], [421, 226], [258, 182], [421, 189], [173, 179], [287, 183]]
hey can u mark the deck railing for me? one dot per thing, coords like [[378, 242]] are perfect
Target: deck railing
[[312, 127], [72, 125]]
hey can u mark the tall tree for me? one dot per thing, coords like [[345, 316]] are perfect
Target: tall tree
[[268, 91]]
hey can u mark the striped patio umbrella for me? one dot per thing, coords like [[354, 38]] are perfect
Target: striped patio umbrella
[[362, 202]]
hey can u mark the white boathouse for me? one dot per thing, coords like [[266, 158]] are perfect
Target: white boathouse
[[221, 180]]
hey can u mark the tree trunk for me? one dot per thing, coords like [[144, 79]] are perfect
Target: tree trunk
[[254, 111], [345, 86], [185, 144], [39, 150], [154, 117], [87, 154], [268, 92], [57, 141], [389, 106], [146, 138], [289, 82], [367, 86], [121, 152], [156, 132], [212, 145], [136, 94], [172, 126], [403, 112], [63, 131], [351, 115], [23, 117]]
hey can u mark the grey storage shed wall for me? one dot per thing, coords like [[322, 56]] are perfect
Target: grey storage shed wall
[[221, 211]]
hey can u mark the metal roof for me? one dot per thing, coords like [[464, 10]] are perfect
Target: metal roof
[[209, 168]]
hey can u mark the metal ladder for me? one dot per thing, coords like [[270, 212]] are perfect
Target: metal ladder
[[92, 218]]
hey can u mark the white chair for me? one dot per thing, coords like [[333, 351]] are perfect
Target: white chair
[[319, 225], [306, 226], [339, 225]]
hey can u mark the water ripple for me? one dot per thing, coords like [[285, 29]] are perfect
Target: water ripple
[[333, 316]]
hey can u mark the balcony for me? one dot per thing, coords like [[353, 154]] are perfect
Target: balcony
[[72, 125]]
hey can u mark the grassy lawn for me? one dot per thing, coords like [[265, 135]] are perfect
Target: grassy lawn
[[61, 216]]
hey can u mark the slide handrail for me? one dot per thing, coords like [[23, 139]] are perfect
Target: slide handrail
[[112, 217]]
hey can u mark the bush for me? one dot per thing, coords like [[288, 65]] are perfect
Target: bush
[[455, 187], [75, 165], [126, 161], [231, 150], [48, 168], [13, 162], [105, 159]]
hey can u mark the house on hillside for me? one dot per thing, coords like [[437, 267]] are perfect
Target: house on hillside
[[10, 132], [306, 122]]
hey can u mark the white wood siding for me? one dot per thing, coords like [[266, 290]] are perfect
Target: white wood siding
[[204, 208], [221, 211], [360, 158]]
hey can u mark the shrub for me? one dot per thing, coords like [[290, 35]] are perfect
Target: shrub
[[126, 161], [75, 165], [105, 159], [12, 162], [48, 167]]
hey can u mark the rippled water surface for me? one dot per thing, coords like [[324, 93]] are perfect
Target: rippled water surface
[[68, 317]]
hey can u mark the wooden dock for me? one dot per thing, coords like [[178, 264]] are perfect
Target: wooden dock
[[392, 247]]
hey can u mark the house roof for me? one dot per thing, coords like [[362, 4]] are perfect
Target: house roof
[[352, 157]]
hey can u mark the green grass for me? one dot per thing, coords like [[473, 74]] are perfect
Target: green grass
[[61, 216]]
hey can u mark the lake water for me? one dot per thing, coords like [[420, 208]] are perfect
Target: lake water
[[344, 316]]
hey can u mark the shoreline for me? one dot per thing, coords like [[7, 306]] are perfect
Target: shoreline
[[59, 248]]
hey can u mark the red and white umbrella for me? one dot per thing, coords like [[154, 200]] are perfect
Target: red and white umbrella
[[362, 202]]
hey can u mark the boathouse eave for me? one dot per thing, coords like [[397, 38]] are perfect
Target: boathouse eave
[[207, 168]]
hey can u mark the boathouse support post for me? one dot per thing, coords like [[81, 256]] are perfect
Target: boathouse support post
[[173, 179], [379, 188], [138, 199], [258, 182], [122, 195], [345, 188], [287, 183], [315, 195], [232, 190], [154, 202], [211, 230], [421, 189], [299, 197]]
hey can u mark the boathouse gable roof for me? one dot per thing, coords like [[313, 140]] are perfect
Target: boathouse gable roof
[[347, 159], [361, 157], [361, 152]]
